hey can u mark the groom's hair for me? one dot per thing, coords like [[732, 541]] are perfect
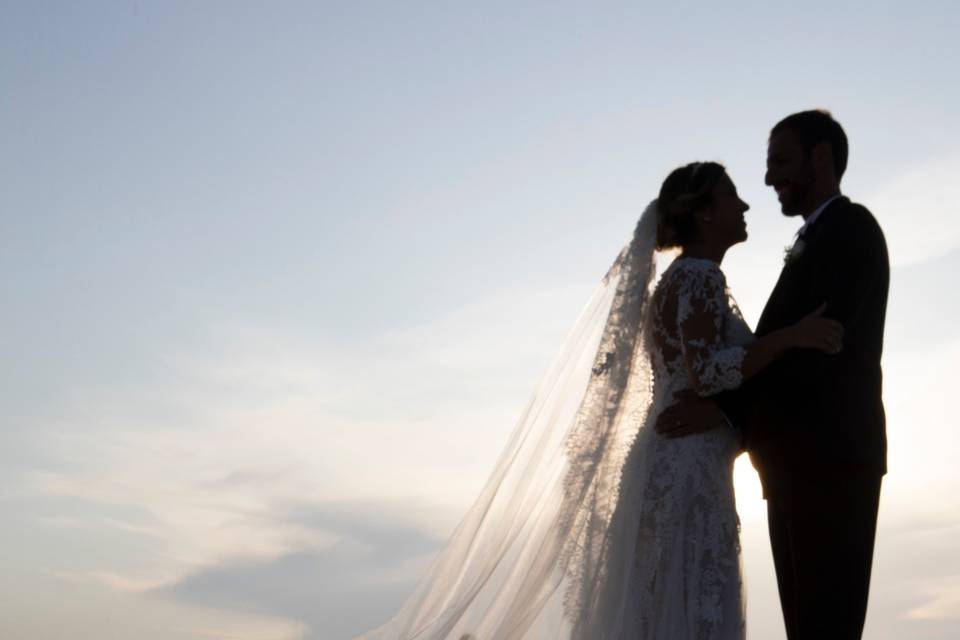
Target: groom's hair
[[814, 127]]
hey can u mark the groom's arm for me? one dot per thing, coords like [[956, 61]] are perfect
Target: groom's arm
[[854, 266], [847, 269], [851, 276]]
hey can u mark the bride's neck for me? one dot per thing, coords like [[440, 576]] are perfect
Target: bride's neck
[[704, 251]]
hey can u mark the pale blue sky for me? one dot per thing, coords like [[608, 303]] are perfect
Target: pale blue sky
[[278, 278]]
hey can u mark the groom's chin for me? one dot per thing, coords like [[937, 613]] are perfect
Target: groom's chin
[[788, 208], [789, 211]]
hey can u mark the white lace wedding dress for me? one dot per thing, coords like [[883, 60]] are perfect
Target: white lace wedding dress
[[591, 525], [676, 495]]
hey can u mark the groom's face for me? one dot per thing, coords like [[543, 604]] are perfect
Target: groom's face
[[790, 172]]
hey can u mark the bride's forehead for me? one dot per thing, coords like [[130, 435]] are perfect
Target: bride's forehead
[[725, 182]]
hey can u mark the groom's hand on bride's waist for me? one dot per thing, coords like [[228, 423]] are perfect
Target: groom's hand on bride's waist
[[689, 414]]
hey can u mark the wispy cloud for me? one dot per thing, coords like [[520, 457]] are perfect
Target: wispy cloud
[[943, 600], [122, 583], [337, 592], [266, 454]]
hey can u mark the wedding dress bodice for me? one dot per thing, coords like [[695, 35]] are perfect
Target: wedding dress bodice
[[695, 320]]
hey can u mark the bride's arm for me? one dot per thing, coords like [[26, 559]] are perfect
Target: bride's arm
[[713, 366], [812, 332]]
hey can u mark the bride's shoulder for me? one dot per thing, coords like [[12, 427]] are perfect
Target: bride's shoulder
[[692, 272]]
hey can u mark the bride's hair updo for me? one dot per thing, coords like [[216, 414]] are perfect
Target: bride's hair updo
[[685, 191]]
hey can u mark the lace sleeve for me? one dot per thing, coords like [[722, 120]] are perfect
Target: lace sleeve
[[702, 308]]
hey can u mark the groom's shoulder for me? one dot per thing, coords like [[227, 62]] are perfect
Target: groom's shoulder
[[859, 234], [853, 210], [858, 219]]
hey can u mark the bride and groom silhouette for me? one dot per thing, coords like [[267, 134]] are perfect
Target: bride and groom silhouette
[[611, 511]]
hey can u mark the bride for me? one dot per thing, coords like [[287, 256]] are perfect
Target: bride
[[592, 525]]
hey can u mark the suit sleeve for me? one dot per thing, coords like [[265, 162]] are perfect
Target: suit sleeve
[[854, 264]]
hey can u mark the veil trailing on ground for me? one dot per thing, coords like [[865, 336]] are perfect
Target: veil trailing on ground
[[532, 555]]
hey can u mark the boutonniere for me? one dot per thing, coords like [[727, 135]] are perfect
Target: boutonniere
[[791, 253]]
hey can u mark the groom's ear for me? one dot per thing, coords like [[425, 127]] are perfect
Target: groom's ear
[[821, 156]]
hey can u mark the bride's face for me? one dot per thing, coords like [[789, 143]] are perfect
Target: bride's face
[[726, 224]]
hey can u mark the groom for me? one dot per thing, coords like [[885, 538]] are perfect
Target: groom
[[813, 423]]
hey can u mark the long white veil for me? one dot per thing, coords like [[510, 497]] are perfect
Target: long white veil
[[532, 555]]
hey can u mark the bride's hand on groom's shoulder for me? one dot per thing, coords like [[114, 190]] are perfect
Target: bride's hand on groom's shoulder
[[688, 415]]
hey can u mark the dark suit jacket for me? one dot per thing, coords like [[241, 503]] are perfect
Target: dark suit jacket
[[810, 412]]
